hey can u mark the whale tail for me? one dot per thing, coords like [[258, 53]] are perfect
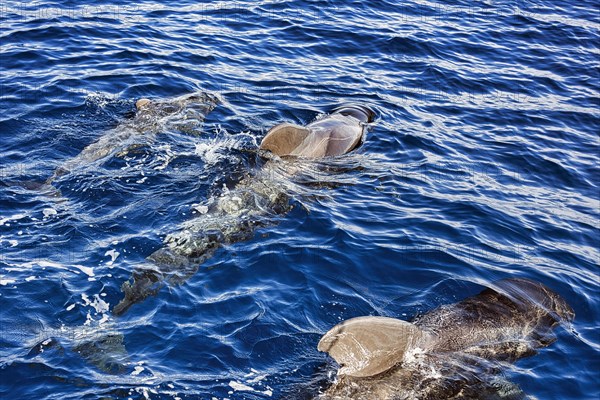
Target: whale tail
[[168, 267], [145, 282], [100, 346], [368, 346]]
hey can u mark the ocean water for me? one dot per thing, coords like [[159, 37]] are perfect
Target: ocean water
[[481, 165]]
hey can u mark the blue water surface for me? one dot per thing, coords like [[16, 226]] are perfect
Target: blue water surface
[[481, 165]]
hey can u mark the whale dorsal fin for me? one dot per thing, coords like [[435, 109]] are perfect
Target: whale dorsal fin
[[367, 346], [284, 138]]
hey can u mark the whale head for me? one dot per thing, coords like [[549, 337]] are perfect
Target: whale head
[[368, 346], [336, 134], [362, 113]]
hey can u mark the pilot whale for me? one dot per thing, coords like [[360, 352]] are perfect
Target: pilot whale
[[238, 211], [448, 352], [184, 113]]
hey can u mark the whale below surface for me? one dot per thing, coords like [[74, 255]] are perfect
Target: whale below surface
[[255, 201], [452, 352], [184, 114]]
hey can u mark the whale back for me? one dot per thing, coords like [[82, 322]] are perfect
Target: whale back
[[508, 321], [368, 346], [528, 295]]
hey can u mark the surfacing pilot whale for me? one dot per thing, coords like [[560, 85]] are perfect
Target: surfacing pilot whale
[[184, 114], [238, 211], [451, 352]]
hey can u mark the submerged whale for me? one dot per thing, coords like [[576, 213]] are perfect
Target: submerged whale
[[451, 352], [185, 114], [101, 346], [253, 202]]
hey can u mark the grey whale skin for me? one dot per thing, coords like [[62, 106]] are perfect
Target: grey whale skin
[[235, 215], [183, 113], [452, 352]]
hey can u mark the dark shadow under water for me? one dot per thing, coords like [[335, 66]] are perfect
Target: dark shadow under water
[[259, 199]]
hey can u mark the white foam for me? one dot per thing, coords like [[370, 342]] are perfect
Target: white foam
[[144, 392], [48, 212], [5, 282], [101, 99], [214, 150], [97, 303], [202, 209], [240, 387], [414, 355], [15, 217], [166, 158], [416, 358], [45, 343], [257, 379], [52, 264], [137, 370], [113, 256]]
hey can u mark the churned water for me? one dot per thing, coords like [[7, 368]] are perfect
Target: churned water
[[481, 165]]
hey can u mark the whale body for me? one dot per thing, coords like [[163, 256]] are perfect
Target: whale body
[[250, 204], [452, 352], [185, 114]]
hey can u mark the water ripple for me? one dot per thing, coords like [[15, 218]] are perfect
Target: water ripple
[[481, 165]]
